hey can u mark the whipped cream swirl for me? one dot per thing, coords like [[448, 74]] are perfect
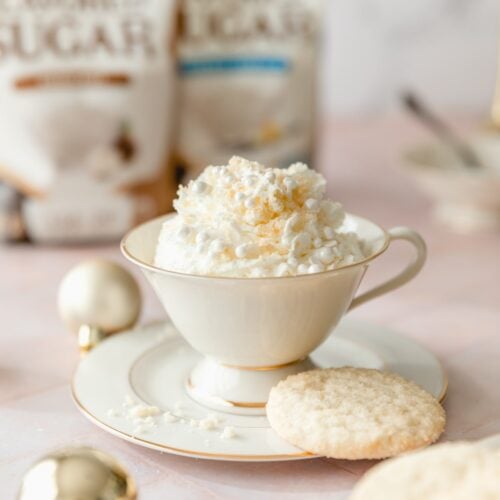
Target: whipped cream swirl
[[246, 220]]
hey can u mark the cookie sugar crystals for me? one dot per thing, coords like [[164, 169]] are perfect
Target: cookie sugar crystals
[[85, 107]]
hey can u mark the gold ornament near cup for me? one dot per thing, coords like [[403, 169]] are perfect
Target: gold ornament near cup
[[98, 298], [77, 473]]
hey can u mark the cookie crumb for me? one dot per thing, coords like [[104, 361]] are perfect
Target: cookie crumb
[[208, 423], [228, 433], [169, 417], [144, 411], [140, 429]]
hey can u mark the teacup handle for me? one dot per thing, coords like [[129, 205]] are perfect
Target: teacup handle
[[410, 271]]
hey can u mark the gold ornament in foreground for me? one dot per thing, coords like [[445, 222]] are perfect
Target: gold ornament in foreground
[[77, 473]]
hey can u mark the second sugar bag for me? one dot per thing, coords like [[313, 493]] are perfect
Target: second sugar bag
[[247, 75]]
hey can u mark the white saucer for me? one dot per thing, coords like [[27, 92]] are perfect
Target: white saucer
[[151, 365]]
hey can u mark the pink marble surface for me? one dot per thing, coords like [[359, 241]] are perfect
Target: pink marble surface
[[452, 308]]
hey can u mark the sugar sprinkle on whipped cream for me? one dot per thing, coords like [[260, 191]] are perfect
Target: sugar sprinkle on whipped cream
[[246, 220]]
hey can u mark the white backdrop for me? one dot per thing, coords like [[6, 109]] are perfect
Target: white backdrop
[[446, 50]]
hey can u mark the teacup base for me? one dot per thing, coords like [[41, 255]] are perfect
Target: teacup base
[[238, 390]]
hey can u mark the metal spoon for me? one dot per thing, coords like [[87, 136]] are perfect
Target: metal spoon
[[441, 129]]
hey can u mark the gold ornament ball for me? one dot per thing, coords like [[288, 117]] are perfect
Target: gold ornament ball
[[99, 294], [77, 474]]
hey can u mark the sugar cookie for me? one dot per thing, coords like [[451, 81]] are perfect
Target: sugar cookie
[[450, 471], [354, 413]]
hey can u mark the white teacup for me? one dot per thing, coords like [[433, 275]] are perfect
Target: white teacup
[[255, 331]]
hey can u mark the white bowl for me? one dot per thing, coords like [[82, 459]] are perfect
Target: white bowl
[[255, 331], [465, 199]]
